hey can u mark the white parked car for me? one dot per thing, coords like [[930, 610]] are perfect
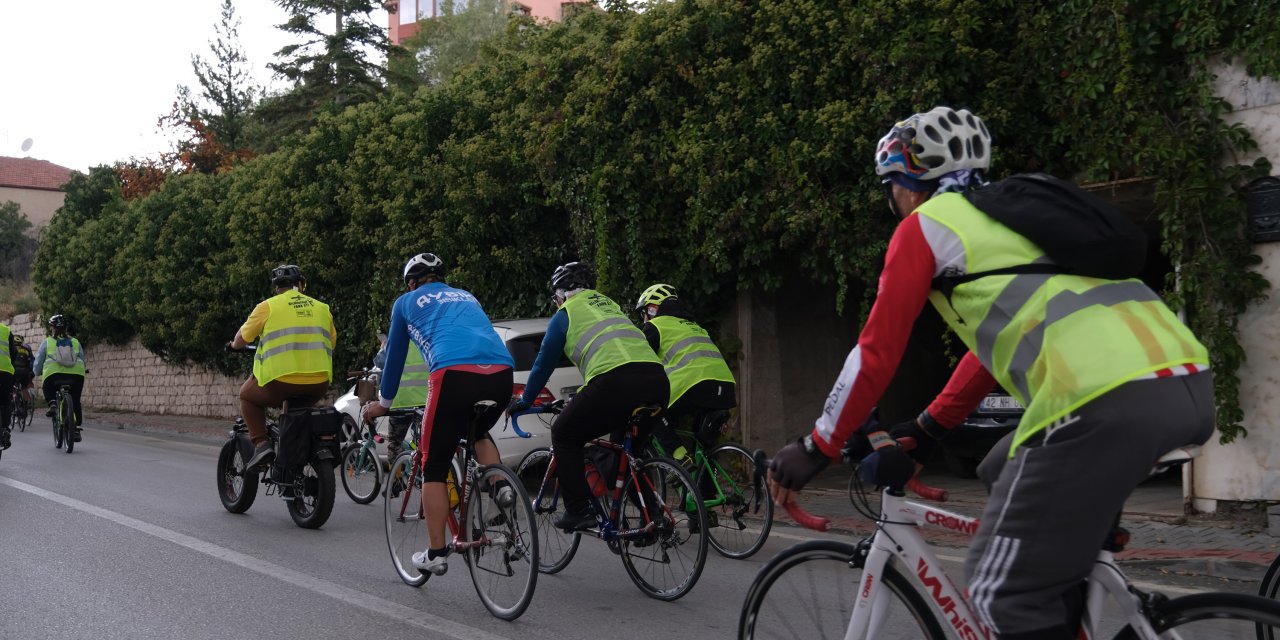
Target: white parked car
[[522, 337]]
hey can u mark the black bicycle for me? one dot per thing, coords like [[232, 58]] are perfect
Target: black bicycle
[[64, 419], [22, 413]]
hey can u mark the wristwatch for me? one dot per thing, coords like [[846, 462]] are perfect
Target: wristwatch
[[811, 447]]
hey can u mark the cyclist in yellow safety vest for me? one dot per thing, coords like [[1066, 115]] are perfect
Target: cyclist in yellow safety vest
[[8, 353], [620, 371], [414, 384], [60, 362], [701, 381], [1111, 379], [294, 359]]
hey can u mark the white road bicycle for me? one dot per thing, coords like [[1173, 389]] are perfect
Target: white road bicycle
[[892, 585]]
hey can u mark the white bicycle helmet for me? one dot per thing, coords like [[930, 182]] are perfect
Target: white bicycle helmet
[[421, 265], [928, 145]]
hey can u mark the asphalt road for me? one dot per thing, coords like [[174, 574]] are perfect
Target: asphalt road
[[126, 538]]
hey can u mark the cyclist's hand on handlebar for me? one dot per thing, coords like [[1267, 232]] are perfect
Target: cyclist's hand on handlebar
[[517, 405], [887, 467], [792, 468], [924, 430], [372, 411]]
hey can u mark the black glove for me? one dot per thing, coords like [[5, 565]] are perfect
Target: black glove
[[797, 463], [924, 430], [517, 405], [887, 467]]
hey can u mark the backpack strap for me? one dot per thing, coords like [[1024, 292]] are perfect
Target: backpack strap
[[946, 285]]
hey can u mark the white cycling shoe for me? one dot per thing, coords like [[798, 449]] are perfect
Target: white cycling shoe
[[438, 565]]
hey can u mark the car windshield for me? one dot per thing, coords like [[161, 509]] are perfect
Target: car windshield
[[524, 350]]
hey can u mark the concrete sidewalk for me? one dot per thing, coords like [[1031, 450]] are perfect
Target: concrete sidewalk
[[1233, 546]]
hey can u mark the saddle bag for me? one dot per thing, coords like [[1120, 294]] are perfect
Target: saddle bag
[[305, 430]]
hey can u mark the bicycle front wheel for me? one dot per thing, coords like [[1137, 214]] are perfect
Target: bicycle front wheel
[[502, 541], [404, 520], [808, 591], [1220, 616], [739, 513], [555, 547], [666, 563], [361, 472], [1270, 589], [57, 432]]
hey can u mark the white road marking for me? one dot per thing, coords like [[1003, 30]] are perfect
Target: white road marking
[[379, 606]]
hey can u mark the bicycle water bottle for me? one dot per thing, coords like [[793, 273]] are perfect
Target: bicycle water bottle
[[594, 480]]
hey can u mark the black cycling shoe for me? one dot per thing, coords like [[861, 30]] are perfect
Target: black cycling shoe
[[576, 519], [75, 437], [5, 442]]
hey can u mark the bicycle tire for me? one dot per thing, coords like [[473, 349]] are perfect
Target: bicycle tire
[[1216, 616], [66, 416], [816, 583], [237, 487], [57, 432], [505, 571], [555, 547], [667, 566], [361, 472], [314, 494], [403, 519], [1271, 581], [728, 475]]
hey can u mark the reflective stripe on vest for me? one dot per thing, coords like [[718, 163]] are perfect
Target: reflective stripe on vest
[[600, 337], [1053, 341], [413, 382], [688, 354], [295, 338], [6, 363], [51, 365]]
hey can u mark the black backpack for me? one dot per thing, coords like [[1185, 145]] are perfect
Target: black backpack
[[1080, 232]]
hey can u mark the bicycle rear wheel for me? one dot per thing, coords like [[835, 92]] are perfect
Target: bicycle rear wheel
[[57, 433], [314, 492], [665, 564], [404, 520], [808, 591], [504, 566], [67, 420], [1220, 616], [739, 516], [361, 471], [555, 547]]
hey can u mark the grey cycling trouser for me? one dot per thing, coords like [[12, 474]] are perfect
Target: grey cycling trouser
[[1053, 504]]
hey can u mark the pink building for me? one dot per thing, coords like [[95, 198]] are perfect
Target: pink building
[[404, 21]]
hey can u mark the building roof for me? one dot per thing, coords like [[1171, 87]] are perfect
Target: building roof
[[29, 173]]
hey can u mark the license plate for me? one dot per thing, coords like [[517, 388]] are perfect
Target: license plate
[[1001, 403]]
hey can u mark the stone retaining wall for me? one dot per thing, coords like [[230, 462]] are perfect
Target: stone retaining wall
[[130, 378]]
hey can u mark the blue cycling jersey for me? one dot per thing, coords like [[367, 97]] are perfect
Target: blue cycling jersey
[[449, 328]]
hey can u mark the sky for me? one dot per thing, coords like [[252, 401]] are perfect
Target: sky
[[86, 80]]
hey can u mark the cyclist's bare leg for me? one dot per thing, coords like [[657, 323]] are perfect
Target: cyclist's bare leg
[[487, 452], [435, 502]]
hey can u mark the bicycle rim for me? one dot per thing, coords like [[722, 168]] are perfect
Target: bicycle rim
[[555, 547], [1220, 616], [361, 473], [505, 568], [403, 519], [67, 418], [667, 563], [808, 591], [739, 517]]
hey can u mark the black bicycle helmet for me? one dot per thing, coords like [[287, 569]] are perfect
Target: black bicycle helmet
[[421, 265], [286, 275], [572, 275], [58, 321]]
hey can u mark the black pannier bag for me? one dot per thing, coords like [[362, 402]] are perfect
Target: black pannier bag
[[304, 430]]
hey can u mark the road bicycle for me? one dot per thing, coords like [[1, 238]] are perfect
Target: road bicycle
[[362, 468], [1270, 589], [654, 517], [893, 582], [64, 419], [739, 510], [22, 410], [499, 545]]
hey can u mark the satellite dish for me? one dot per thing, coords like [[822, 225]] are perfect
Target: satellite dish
[[26, 145]]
